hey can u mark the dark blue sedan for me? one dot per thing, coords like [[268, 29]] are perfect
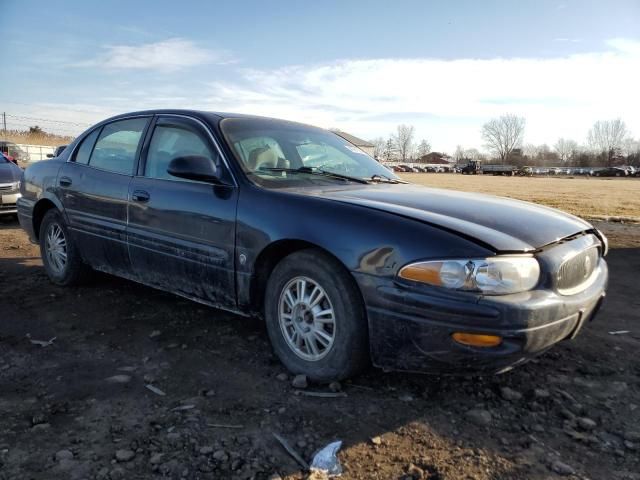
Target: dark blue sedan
[[346, 263]]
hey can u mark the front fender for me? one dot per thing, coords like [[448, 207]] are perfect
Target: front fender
[[365, 240]]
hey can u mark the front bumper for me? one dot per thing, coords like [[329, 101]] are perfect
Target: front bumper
[[8, 203], [411, 327]]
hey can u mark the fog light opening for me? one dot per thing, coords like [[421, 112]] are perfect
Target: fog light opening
[[477, 339]]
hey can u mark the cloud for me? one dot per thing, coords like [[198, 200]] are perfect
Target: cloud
[[567, 40], [625, 45], [167, 55], [447, 100]]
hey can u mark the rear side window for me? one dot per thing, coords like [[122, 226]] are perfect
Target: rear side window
[[117, 145], [84, 150]]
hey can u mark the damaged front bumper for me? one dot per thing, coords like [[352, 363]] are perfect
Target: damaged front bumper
[[411, 327]]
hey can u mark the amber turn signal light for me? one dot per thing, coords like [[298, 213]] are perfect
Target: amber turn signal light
[[477, 339]]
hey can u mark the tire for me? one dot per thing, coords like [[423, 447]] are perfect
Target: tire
[[348, 352], [53, 230]]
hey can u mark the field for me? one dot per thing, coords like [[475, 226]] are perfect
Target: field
[[76, 404], [594, 198]]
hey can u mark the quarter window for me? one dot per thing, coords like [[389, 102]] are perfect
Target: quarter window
[[172, 141], [117, 145], [84, 150]]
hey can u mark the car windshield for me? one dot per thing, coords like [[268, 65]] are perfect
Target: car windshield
[[276, 153]]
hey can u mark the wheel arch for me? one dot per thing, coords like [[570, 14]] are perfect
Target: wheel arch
[[40, 209], [273, 254]]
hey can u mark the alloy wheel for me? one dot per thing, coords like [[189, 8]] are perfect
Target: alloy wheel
[[56, 248], [307, 318]]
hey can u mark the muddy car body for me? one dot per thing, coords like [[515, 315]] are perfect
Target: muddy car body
[[346, 263]]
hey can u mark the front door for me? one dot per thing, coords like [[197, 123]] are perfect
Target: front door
[[94, 187], [181, 233]]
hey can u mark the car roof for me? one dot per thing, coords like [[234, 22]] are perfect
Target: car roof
[[210, 115]]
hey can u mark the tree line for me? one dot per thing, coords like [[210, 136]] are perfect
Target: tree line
[[608, 143]]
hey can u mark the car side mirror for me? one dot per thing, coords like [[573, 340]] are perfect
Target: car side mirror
[[50, 155], [194, 167]]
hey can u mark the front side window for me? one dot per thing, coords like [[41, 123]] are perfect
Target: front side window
[[172, 141], [277, 153], [116, 148]]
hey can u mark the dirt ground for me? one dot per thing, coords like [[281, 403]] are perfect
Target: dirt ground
[[583, 196], [79, 408]]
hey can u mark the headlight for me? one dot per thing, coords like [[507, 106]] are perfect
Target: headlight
[[16, 185], [605, 242], [492, 276]]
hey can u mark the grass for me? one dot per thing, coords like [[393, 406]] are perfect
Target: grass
[[44, 139], [583, 196]]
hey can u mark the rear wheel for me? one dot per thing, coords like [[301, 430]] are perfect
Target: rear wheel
[[60, 256], [315, 317]]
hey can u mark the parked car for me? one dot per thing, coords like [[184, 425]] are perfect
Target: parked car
[[13, 151], [346, 263], [610, 172], [8, 157], [10, 175], [56, 153]]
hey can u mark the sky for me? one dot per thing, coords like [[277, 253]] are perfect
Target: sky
[[361, 66]]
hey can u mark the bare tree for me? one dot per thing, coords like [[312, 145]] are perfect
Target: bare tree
[[503, 134], [378, 147], [423, 148], [530, 150], [607, 136], [404, 141], [565, 148], [389, 150], [459, 155], [630, 146], [473, 154]]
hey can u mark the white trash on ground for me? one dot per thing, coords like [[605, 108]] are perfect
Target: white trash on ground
[[325, 461]]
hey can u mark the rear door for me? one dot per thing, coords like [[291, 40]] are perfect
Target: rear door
[[94, 187], [181, 233]]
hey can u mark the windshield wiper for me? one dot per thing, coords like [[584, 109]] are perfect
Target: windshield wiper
[[317, 171], [384, 179]]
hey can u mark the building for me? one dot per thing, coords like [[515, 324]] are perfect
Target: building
[[363, 145], [435, 158]]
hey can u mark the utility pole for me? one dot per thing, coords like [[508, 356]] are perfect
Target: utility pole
[[4, 124]]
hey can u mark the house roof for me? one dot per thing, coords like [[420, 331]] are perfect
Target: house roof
[[358, 142], [435, 157]]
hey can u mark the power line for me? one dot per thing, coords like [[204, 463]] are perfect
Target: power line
[[43, 105], [77, 124]]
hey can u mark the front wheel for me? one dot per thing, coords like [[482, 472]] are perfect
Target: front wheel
[[60, 256], [315, 317]]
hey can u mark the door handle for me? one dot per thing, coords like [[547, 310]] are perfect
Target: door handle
[[65, 182], [140, 196]]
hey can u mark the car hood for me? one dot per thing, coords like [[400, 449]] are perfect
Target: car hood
[[9, 172], [504, 224]]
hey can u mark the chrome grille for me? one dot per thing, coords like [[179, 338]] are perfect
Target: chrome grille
[[7, 187], [577, 271]]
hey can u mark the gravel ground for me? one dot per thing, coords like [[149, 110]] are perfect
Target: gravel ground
[[134, 383]]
